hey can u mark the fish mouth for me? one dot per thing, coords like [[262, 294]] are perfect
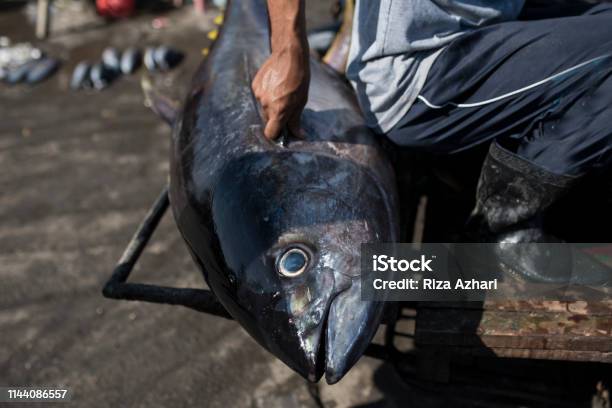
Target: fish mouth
[[351, 325], [341, 337]]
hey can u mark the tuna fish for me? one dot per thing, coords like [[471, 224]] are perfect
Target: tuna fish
[[149, 59], [101, 76], [167, 58], [81, 76], [276, 228], [20, 73], [111, 58], [130, 61], [42, 70]]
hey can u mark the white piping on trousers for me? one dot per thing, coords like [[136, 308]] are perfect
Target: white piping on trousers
[[509, 94]]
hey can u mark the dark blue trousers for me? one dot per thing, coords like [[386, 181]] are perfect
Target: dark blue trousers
[[542, 89]]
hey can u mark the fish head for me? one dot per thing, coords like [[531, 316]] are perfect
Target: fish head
[[289, 227]]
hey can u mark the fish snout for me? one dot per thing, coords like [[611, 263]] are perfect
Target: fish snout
[[351, 325]]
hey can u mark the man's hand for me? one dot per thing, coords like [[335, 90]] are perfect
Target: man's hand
[[281, 84]]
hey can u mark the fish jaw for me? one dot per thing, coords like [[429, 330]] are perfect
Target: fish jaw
[[306, 309], [351, 325]]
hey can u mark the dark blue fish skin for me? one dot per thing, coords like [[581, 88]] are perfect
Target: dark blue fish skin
[[131, 59], [81, 76], [241, 202]]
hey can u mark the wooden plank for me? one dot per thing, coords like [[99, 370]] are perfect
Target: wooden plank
[[562, 355], [574, 331], [512, 324]]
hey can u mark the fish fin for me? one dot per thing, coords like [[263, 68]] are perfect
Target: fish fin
[[166, 108]]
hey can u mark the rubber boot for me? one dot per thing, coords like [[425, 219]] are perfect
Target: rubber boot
[[512, 197]]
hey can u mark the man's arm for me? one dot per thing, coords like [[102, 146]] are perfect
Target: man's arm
[[281, 84]]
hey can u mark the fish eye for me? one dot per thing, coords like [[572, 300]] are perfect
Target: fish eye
[[292, 262]]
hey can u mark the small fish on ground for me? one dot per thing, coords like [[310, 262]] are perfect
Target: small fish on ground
[[167, 58], [19, 74], [130, 61], [112, 59], [149, 60], [81, 76], [42, 70], [101, 77]]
